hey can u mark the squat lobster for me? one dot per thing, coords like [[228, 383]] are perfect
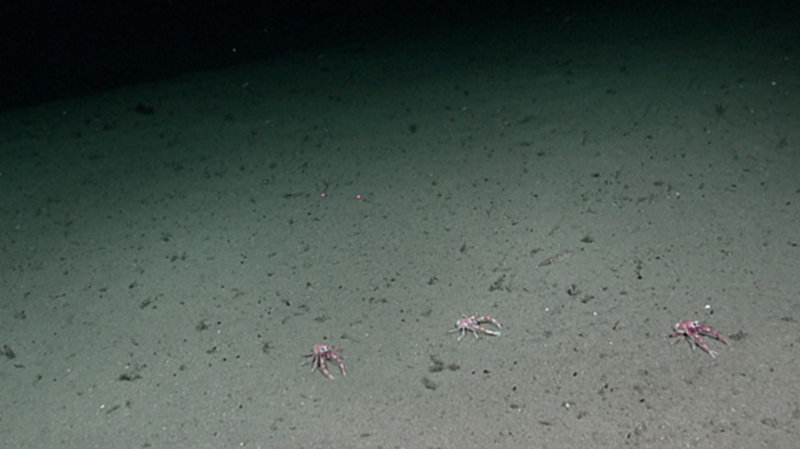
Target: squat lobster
[[472, 324], [319, 355], [693, 331]]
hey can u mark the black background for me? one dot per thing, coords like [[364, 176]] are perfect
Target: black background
[[57, 49]]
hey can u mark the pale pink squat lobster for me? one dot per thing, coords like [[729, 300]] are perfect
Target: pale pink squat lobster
[[319, 355], [692, 331], [472, 324]]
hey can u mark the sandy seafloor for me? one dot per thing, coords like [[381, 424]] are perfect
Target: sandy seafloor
[[164, 270]]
